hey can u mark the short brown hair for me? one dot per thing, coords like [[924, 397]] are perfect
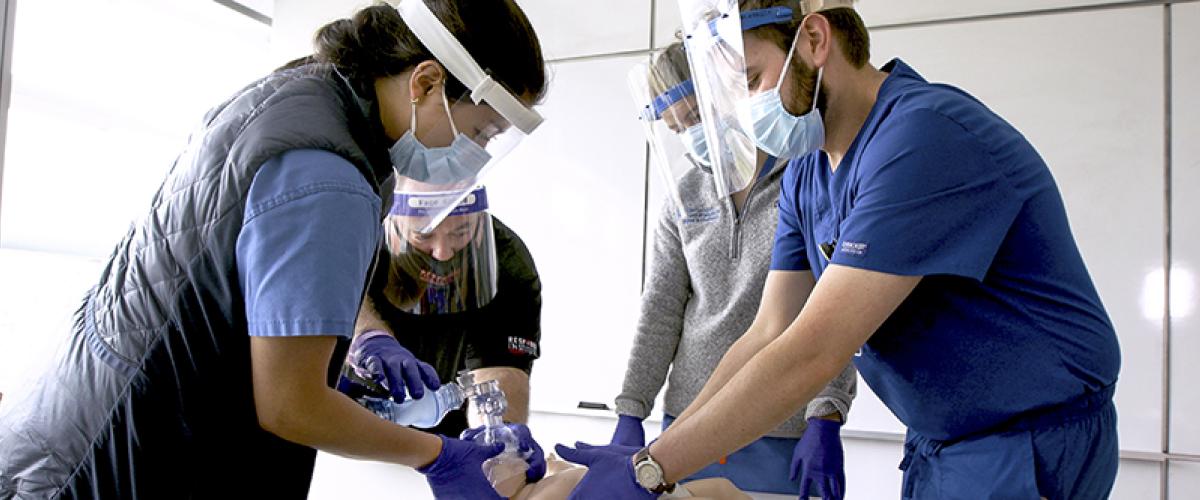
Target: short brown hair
[[847, 26]]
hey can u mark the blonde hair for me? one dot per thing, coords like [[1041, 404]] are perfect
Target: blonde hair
[[668, 68]]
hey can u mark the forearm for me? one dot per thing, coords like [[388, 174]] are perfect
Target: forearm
[[784, 295], [836, 398], [368, 318], [292, 401], [515, 384], [750, 404], [329, 421], [843, 312], [738, 355]]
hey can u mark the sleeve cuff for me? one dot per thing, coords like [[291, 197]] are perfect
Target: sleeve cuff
[[821, 407], [632, 408], [300, 328], [523, 364]]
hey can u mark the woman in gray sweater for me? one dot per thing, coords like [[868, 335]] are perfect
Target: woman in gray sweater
[[710, 260]]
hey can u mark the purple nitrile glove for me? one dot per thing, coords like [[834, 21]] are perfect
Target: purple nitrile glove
[[528, 447], [457, 473], [376, 355], [629, 432], [619, 449], [819, 461], [609, 475]]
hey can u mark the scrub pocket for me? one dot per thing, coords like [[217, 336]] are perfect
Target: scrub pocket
[[992, 467]]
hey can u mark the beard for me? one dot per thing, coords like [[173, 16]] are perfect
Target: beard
[[803, 79]]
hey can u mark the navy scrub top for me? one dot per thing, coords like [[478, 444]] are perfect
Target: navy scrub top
[[1006, 319]]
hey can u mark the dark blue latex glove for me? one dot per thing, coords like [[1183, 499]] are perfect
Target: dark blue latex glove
[[629, 432], [528, 447], [377, 356], [457, 474], [819, 461], [610, 474]]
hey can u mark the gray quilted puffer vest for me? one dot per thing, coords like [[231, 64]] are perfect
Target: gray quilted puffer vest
[[152, 397]]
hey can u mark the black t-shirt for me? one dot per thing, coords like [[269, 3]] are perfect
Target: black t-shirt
[[505, 332]]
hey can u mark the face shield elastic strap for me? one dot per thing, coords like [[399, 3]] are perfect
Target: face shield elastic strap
[[448, 51], [756, 18], [655, 109], [780, 15]]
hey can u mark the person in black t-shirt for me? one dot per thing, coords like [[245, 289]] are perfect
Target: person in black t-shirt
[[464, 296]]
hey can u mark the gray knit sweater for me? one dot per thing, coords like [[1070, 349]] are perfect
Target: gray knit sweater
[[701, 294]]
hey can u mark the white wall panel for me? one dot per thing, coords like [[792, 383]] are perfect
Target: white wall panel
[[873, 469], [1184, 481], [1099, 125], [1185, 302], [877, 12], [888, 12], [94, 126], [39, 293], [1137, 481], [666, 22], [575, 193], [573, 28], [565, 29], [296, 21]]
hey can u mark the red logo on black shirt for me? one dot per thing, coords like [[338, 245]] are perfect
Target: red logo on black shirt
[[522, 346]]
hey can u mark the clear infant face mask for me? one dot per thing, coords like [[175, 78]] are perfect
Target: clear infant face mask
[[506, 471]]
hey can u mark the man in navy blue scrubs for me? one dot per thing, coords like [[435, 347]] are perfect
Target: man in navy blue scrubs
[[923, 238]]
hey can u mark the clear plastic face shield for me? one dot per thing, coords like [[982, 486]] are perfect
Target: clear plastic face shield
[[719, 60], [712, 32], [449, 269], [453, 149], [666, 104]]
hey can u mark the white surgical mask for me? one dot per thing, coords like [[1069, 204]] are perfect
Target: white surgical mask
[[696, 146], [780, 133], [459, 161]]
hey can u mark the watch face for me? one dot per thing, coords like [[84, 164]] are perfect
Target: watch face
[[648, 475]]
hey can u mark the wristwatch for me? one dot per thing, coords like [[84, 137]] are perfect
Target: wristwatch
[[649, 474]]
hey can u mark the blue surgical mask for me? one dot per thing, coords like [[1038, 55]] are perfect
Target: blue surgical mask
[[460, 161], [695, 144], [780, 133]]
